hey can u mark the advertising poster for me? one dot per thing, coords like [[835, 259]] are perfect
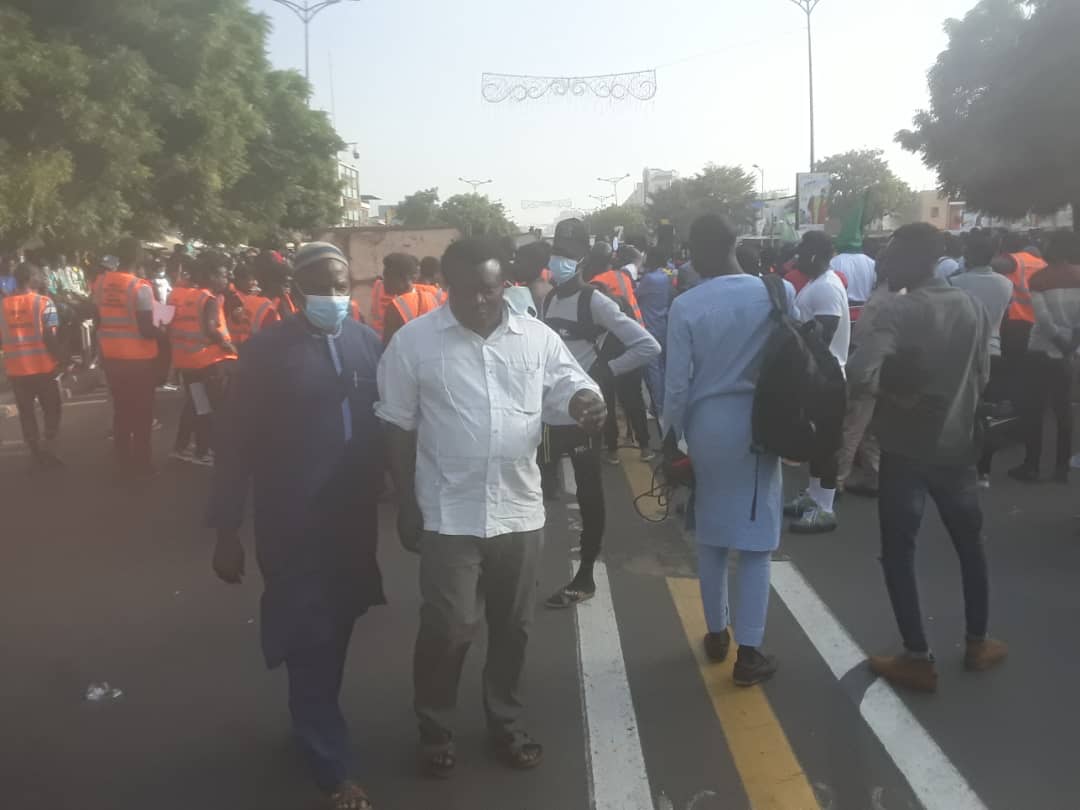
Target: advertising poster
[[813, 193]]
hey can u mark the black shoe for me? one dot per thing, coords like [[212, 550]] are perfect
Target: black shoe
[[1025, 474], [752, 667], [717, 646]]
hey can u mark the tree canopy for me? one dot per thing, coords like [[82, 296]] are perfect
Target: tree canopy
[[1005, 109], [604, 221], [472, 214], [139, 115], [726, 190], [862, 173]]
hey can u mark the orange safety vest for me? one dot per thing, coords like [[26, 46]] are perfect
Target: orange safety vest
[[437, 291], [618, 284], [248, 320], [354, 311], [284, 305], [22, 332], [419, 301], [191, 347], [118, 333], [379, 302], [1021, 307]]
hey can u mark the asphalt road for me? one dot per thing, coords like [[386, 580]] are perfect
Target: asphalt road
[[102, 584]]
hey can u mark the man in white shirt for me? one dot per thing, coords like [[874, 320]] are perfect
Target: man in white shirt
[[823, 300], [462, 390], [860, 272]]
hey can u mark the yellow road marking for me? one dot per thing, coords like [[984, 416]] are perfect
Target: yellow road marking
[[771, 774]]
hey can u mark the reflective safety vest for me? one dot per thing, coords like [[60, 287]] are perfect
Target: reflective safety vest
[[413, 304], [284, 305], [619, 285], [191, 348], [1021, 307], [379, 302], [354, 311], [437, 291], [249, 319], [118, 333], [22, 332]]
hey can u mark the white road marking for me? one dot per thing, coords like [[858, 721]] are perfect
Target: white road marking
[[617, 776], [932, 776]]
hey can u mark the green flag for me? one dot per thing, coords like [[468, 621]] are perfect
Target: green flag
[[850, 238]]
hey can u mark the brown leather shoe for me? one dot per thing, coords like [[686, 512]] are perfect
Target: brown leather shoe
[[984, 654], [717, 646], [903, 670]]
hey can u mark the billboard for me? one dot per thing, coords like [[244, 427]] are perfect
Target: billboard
[[812, 189]]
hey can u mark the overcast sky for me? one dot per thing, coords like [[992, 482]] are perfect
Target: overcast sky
[[731, 88]]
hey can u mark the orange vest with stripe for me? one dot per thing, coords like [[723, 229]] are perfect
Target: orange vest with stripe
[[191, 347], [1021, 307], [618, 284], [354, 311], [413, 304], [22, 332], [438, 292], [284, 305], [118, 333], [379, 302], [249, 319]]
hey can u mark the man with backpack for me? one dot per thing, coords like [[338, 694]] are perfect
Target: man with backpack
[[590, 323]]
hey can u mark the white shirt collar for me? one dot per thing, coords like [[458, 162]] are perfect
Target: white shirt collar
[[510, 321]]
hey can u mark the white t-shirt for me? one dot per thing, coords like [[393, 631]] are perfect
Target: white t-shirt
[[825, 295], [860, 272]]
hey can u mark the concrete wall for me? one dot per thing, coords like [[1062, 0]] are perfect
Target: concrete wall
[[366, 248]]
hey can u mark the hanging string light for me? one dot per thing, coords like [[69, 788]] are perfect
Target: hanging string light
[[496, 88]]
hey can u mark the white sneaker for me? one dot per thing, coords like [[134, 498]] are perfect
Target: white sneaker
[[203, 461], [182, 455], [984, 482]]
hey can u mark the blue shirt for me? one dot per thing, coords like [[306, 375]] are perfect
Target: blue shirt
[[299, 430], [655, 292]]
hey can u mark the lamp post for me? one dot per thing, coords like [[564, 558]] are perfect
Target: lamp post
[[475, 183], [761, 173], [307, 10], [807, 7], [614, 185], [601, 199]]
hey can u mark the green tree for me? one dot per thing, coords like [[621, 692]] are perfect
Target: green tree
[[725, 190], [1005, 109], [604, 221], [476, 215], [421, 209], [860, 171]]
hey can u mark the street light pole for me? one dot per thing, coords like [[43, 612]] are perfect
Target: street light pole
[[614, 185], [761, 173], [475, 183], [307, 10], [807, 7]]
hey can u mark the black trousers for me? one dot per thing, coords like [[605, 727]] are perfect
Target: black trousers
[[215, 380], [626, 389], [583, 450], [1015, 336], [37, 388], [1047, 381], [903, 487], [132, 384]]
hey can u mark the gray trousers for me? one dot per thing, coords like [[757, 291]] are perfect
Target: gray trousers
[[462, 581], [860, 444]]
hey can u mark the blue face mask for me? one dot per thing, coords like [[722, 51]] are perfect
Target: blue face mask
[[562, 269], [326, 312]]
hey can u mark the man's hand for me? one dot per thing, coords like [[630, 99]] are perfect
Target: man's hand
[[410, 524], [229, 557], [588, 410]]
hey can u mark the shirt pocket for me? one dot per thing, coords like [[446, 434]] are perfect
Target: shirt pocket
[[522, 382]]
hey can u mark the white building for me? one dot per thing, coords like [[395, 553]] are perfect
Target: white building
[[652, 180]]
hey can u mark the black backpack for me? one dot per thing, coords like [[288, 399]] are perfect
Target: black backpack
[[798, 404], [583, 328]]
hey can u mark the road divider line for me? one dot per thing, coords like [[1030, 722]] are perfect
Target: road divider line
[[932, 776], [771, 774], [618, 779]]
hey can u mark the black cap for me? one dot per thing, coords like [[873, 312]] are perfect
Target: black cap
[[571, 239]]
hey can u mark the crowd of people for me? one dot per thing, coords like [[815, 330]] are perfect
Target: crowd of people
[[474, 375]]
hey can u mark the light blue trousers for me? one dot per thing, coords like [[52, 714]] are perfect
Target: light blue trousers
[[752, 604]]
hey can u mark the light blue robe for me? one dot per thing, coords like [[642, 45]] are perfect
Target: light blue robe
[[716, 334]]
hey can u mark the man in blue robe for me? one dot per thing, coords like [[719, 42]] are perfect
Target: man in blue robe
[[301, 432]]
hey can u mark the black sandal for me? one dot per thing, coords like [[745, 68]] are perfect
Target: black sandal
[[438, 760], [349, 796], [520, 752]]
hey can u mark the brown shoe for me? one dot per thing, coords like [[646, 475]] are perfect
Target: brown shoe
[[717, 646], [984, 654], [903, 670]]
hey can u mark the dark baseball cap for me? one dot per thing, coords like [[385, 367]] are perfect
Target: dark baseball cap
[[571, 239]]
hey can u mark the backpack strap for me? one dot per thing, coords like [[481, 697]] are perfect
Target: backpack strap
[[547, 303], [774, 286]]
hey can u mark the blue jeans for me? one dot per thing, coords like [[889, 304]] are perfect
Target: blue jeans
[[315, 676], [903, 487]]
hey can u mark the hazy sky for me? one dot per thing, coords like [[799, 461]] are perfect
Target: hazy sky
[[407, 88]]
